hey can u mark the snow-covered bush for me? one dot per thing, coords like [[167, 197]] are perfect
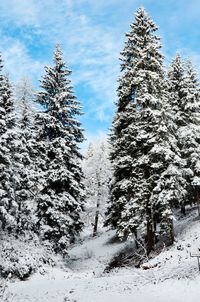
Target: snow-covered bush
[[5, 294], [19, 258]]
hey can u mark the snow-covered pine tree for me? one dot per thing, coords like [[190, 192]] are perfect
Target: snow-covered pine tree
[[124, 178], [8, 205], [60, 200], [97, 176], [168, 185], [189, 131], [141, 145], [24, 157], [183, 99], [176, 84]]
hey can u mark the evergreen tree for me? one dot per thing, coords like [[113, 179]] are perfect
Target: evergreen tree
[[8, 205], [183, 98], [188, 132], [24, 158], [142, 137], [60, 200]]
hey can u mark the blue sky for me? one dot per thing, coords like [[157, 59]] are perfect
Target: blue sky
[[92, 34]]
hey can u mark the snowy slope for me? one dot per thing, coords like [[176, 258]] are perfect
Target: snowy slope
[[174, 278], [93, 255]]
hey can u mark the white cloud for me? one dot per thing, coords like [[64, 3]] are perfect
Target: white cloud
[[20, 12], [90, 48], [19, 62]]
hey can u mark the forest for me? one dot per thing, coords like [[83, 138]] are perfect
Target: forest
[[136, 182]]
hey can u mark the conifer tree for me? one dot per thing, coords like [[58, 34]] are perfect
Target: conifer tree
[[8, 205], [188, 132], [24, 158], [143, 147], [183, 98], [60, 200]]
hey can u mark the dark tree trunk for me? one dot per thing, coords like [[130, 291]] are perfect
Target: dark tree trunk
[[136, 239], [198, 200], [172, 232], [183, 210], [96, 220], [155, 218], [150, 237]]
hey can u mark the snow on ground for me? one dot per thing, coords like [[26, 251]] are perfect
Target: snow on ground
[[173, 278], [63, 287], [94, 254]]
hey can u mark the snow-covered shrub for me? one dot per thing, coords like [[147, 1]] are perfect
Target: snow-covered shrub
[[19, 258], [5, 294], [129, 255]]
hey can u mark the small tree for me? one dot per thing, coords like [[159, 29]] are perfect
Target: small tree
[[97, 172], [25, 96]]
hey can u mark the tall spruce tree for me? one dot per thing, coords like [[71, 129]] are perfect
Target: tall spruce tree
[[8, 205], [142, 138], [60, 200]]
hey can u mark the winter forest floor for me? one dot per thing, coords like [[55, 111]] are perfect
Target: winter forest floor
[[173, 277]]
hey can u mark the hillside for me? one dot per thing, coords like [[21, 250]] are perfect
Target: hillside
[[172, 275]]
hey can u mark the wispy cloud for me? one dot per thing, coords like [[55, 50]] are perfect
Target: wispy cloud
[[92, 35], [18, 62], [90, 48], [19, 12]]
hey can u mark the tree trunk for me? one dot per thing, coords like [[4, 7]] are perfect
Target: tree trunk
[[136, 239], [150, 229], [155, 228], [150, 237], [96, 220], [183, 209], [97, 209], [172, 232], [198, 200]]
